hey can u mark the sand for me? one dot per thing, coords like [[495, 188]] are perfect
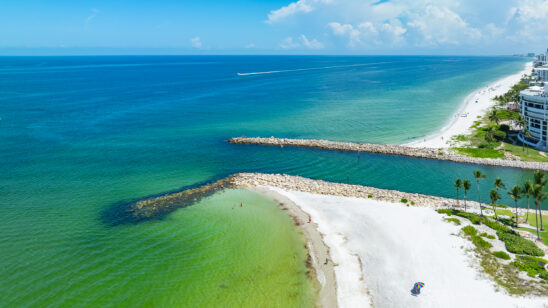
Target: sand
[[458, 125], [380, 249]]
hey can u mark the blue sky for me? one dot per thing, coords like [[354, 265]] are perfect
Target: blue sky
[[273, 27]]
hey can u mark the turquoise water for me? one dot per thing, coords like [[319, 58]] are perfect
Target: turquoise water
[[80, 134]]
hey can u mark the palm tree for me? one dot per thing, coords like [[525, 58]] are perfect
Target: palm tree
[[527, 190], [458, 185], [515, 193], [539, 196], [499, 184], [494, 116], [490, 134], [479, 175], [494, 198], [541, 181], [466, 185]]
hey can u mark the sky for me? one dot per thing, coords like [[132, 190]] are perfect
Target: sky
[[430, 27]]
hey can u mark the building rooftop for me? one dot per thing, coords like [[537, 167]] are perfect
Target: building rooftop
[[536, 91]]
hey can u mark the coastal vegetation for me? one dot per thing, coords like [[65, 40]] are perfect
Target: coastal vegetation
[[502, 255], [495, 134], [507, 275], [524, 254]]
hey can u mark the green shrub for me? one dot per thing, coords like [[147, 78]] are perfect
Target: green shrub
[[469, 230], [495, 225], [370, 196], [455, 220], [440, 153], [480, 242], [489, 236], [500, 135], [502, 255], [445, 211], [412, 202], [544, 275], [403, 200], [533, 266], [517, 244]]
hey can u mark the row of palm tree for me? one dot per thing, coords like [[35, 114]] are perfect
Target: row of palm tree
[[529, 189]]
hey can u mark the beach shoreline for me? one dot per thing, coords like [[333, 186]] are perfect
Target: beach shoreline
[[316, 246], [459, 125], [368, 239]]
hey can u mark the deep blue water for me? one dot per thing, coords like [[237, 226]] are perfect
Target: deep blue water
[[161, 122]]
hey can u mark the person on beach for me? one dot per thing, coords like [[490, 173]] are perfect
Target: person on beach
[[326, 261], [309, 219], [241, 204]]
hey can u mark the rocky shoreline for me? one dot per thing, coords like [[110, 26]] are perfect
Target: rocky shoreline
[[430, 153]]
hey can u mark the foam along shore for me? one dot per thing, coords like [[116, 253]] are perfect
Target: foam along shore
[[476, 104], [422, 152]]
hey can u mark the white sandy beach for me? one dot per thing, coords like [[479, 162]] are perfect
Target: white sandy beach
[[458, 124], [380, 249]]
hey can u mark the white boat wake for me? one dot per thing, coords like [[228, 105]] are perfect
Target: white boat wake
[[307, 69]]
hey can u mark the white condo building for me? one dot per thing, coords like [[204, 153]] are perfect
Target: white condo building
[[542, 72], [542, 59], [534, 109]]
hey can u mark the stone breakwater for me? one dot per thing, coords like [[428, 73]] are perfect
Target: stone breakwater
[[155, 206], [297, 183], [159, 205], [430, 153]]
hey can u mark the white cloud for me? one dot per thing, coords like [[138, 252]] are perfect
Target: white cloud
[[289, 43], [301, 6], [94, 13], [362, 24], [440, 25], [310, 44], [346, 30], [301, 42], [250, 45], [196, 42]]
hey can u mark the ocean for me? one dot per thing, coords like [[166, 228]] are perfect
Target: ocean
[[83, 134]]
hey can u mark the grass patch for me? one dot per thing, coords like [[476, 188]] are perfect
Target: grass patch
[[533, 222], [527, 155], [480, 242], [470, 231], [489, 236], [479, 152], [454, 220], [533, 266], [501, 255], [543, 235]]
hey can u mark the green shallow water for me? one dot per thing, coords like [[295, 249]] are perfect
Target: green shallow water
[[81, 134], [206, 255]]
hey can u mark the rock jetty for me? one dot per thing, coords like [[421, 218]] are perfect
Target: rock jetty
[[389, 149], [151, 207], [297, 183]]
